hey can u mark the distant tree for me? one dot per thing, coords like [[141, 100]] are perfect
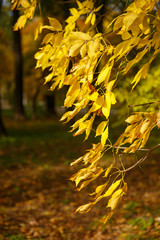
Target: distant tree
[[32, 78], [2, 127], [18, 98], [1, 1], [72, 57]]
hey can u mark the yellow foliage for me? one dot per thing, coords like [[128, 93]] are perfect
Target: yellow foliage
[[27, 7], [73, 57]]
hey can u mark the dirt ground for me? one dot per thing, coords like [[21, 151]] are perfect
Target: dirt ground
[[37, 201]]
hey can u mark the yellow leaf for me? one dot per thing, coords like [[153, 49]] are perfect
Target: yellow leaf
[[49, 77], [20, 23], [110, 85], [115, 199], [156, 39], [88, 175], [55, 24], [49, 28], [129, 128], [38, 55], [75, 49], [112, 188], [74, 11], [69, 115], [93, 19], [25, 3], [89, 126], [15, 3], [85, 183], [108, 170], [138, 57], [88, 19], [84, 208], [83, 50], [106, 218], [101, 128], [94, 48], [145, 138], [47, 38], [107, 106], [106, 110], [125, 47], [104, 74], [79, 4], [76, 161], [125, 188], [144, 126], [141, 74], [113, 99], [118, 23], [129, 20], [104, 137], [100, 188], [133, 119], [97, 104], [78, 122], [94, 96], [82, 36], [126, 35], [158, 119], [69, 100], [98, 8], [38, 30], [82, 128]]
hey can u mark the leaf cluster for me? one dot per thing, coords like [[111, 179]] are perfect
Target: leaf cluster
[[73, 58]]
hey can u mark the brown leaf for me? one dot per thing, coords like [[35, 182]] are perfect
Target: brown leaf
[[158, 119]]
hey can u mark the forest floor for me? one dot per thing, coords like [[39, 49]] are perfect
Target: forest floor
[[37, 201]]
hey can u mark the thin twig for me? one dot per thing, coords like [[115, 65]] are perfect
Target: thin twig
[[143, 104], [141, 159], [139, 149], [65, 2]]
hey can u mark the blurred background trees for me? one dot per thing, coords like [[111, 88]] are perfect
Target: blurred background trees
[[21, 85]]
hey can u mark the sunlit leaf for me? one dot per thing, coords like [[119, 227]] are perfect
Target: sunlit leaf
[[101, 128], [55, 24]]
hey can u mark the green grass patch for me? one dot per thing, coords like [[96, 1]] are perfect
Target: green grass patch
[[142, 223], [41, 142]]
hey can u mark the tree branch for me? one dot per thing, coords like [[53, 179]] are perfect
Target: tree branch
[[139, 149], [66, 2], [143, 104], [141, 159]]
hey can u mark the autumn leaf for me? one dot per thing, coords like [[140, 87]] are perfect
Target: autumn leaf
[[55, 24], [95, 70], [158, 119]]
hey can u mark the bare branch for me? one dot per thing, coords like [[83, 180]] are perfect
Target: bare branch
[[65, 2], [143, 104], [141, 159], [139, 149]]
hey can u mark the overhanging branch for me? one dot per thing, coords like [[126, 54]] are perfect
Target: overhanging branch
[[141, 159]]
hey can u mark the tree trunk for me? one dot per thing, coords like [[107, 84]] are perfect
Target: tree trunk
[[18, 104], [3, 131], [34, 103], [2, 127], [101, 13], [50, 104], [66, 7], [1, 1]]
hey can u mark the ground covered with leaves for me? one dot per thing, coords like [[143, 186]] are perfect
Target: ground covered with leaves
[[37, 201]]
